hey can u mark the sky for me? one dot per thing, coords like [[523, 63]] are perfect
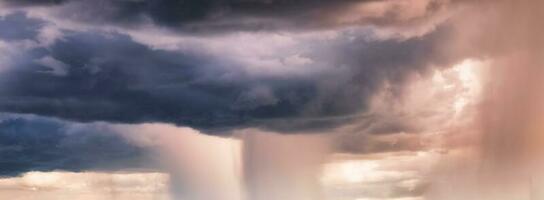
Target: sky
[[271, 99]]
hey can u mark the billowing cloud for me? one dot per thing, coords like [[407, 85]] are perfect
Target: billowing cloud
[[211, 16], [99, 75], [505, 163], [436, 111], [131, 84], [39, 144]]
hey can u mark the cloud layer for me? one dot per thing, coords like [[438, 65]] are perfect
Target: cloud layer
[[85, 186], [213, 16], [39, 144], [311, 80], [128, 84]]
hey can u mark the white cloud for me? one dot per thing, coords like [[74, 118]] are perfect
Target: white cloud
[[86, 186], [385, 176]]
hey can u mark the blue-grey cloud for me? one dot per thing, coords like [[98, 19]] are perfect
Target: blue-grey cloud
[[212, 16], [33, 2], [105, 76], [29, 143], [18, 27]]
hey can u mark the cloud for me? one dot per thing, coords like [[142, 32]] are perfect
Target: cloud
[[40, 144], [17, 26], [281, 82], [33, 2], [504, 162], [200, 166], [56, 67], [85, 186], [386, 76], [397, 175], [204, 17]]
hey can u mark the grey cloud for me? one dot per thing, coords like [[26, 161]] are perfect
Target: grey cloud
[[110, 77], [211, 16], [17, 26], [41, 144], [114, 78], [352, 143], [33, 2]]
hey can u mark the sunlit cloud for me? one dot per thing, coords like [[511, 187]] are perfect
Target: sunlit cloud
[[271, 100], [86, 186], [398, 175]]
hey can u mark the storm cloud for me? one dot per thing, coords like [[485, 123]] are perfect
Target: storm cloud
[[29, 143], [212, 16], [96, 75], [222, 94]]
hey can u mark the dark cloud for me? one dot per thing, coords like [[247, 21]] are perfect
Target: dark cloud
[[97, 76], [41, 144], [212, 16], [33, 2], [112, 78], [17, 26]]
